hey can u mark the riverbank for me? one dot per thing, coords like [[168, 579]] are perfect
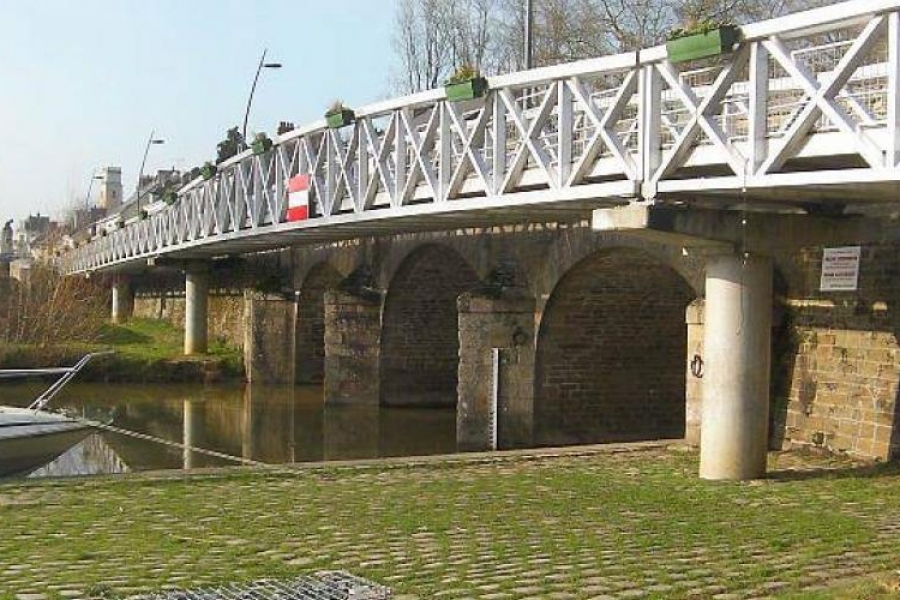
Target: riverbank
[[597, 523], [146, 351]]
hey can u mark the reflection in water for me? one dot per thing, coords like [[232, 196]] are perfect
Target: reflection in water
[[90, 456], [265, 423]]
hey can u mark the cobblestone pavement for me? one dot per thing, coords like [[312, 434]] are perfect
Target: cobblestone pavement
[[601, 524]]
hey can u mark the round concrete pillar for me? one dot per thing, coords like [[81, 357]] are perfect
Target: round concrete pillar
[[122, 300], [737, 346], [196, 300]]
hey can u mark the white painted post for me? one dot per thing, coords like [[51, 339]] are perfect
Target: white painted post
[[196, 300], [737, 344], [493, 410]]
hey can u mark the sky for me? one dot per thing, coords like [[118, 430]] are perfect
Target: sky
[[83, 82]]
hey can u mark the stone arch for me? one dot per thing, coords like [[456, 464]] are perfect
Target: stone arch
[[310, 350], [611, 351], [420, 331]]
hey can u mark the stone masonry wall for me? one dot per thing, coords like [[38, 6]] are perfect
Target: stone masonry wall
[[420, 343], [311, 324], [611, 353], [836, 358], [226, 314], [837, 367]]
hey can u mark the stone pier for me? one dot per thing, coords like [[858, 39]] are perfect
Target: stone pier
[[504, 321], [269, 341], [352, 343], [122, 300]]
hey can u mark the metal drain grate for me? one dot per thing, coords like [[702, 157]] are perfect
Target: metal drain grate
[[325, 585]]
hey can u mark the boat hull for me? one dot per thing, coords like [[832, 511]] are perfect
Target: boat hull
[[30, 439]]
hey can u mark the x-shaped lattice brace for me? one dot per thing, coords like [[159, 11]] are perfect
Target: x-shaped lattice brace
[[471, 140], [703, 114], [230, 213], [422, 145], [378, 147], [604, 128], [529, 132], [823, 99], [207, 209], [340, 168], [288, 157], [262, 181], [315, 161]]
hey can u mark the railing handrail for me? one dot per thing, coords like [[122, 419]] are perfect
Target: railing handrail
[[504, 95]]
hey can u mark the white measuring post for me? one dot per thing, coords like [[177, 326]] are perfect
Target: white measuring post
[[495, 397]]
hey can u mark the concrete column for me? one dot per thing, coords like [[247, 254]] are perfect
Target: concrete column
[[196, 310], [737, 344], [269, 327], [122, 300], [352, 347], [505, 321], [695, 368]]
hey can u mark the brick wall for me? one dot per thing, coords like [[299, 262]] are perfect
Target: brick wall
[[420, 343], [611, 353]]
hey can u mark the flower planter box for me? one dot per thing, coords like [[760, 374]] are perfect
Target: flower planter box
[[261, 145], [340, 118], [703, 45], [208, 171], [466, 90]]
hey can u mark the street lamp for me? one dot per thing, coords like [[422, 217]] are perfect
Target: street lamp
[[529, 33], [262, 65], [87, 203], [87, 198], [150, 142]]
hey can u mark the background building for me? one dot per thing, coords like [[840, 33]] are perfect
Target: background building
[[110, 188]]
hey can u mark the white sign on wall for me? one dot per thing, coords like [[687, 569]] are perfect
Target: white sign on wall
[[840, 269]]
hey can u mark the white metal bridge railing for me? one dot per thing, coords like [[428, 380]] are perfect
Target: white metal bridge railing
[[805, 99]]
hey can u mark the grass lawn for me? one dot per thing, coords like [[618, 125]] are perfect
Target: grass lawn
[[145, 350], [602, 525]]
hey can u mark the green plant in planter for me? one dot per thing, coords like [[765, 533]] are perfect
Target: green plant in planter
[[261, 143], [143, 214], [702, 40], [466, 83], [170, 196], [120, 224], [208, 170], [338, 115]]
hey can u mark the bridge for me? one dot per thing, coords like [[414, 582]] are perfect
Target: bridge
[[798, 126]]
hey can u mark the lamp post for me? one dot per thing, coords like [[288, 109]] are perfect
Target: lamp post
[[87, 203], [87, 198], [150, 142], [529, 33], [262, 65]]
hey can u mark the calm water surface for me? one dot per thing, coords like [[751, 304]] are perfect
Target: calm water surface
[[265, 423]]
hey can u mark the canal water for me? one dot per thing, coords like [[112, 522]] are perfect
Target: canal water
[[265, 423]]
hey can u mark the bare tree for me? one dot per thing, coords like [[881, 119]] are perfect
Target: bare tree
[[434, 36], [49, 308]]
